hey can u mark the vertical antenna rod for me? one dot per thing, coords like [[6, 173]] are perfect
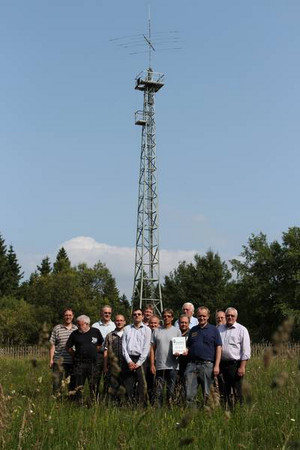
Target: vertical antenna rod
[[147, 288]]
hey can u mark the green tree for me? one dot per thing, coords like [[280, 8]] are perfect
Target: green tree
[[45, 267], [202, 282], [266, 289], [14, 274], [3, 267], [62, 262]]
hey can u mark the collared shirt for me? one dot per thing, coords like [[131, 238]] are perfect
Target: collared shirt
[[113, 344], [59, 336], [203, 341], [104, 328], [136, 342], [236, 342], [193, 322]]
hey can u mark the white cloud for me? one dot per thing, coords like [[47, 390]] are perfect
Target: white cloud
[[119, 260]]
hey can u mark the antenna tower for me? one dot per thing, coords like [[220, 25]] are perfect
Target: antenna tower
[[146, 287]]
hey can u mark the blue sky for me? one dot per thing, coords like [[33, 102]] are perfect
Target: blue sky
[[227, 127]]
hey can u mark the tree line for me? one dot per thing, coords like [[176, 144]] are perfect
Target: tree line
[[263, 284]]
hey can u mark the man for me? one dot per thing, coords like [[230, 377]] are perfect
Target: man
[[220, 318], [235, 353], [162, 361], [148, 312], [135, 348], [154, 322], [188, 309], [87, 342], [105, 325], [61, 362], [184, 323], [114, 361], [204, 349]]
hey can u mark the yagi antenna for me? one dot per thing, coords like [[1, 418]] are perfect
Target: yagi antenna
[[155, 42]]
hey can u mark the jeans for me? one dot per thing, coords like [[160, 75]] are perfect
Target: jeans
[[168, 377], [198, 372]]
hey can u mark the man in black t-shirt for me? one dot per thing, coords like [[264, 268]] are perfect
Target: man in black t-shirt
[[87, 342]]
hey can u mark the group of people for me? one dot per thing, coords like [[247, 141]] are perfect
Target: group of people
[[137, 361]]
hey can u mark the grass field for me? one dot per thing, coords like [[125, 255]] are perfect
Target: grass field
[[30, 418]]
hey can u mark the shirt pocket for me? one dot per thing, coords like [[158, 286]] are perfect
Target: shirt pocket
[[233, 340]]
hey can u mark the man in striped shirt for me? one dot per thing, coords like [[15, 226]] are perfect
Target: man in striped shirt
[[61, 361]]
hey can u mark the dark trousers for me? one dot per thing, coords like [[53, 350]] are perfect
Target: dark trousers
[[166, 377], [101, 374], [135, 383], [232, 383], [86, 370], [61, 372]]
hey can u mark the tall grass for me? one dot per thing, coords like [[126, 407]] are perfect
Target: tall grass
[[30, 418]]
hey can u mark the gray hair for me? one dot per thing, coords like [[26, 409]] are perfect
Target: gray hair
[[84, 318], [231, 309], [190, 305]]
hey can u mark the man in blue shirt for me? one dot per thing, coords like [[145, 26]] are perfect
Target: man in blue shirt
[[204, 346]]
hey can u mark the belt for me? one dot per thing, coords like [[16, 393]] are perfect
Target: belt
[[200, 360], [230, 362]]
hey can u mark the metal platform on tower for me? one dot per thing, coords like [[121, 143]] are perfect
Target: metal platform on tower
[[148, 79]]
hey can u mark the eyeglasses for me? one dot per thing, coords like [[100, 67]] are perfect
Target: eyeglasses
[[230, 315], [137, 314], [107, 313]]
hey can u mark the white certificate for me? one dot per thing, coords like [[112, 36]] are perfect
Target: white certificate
[[179, 345]]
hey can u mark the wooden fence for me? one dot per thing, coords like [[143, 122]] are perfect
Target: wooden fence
[[36, 351], [24, 351]]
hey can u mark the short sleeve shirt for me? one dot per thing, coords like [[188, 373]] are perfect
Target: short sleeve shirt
[[162, 340], [202, 342], [85, 344], [59, 336]]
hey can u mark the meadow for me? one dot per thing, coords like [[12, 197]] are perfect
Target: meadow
[[31, 418]]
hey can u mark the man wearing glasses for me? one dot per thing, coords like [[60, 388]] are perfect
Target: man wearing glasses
[[105, 325], [235, 353], [162, 361], [135, 347]]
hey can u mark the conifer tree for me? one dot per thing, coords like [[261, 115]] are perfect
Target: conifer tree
[[62, 262], [14, 273], [45, 267], [3, 266]]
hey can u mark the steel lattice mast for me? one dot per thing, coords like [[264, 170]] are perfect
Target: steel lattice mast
[[147, 288]]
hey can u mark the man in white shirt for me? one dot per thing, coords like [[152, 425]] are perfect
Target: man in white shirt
[[188, 309], [136, 347], [105, 325], [236, 351]]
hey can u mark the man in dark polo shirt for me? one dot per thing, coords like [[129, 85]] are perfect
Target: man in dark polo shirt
[[204, 350], [87, 342]]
